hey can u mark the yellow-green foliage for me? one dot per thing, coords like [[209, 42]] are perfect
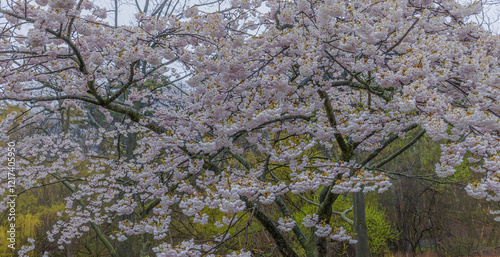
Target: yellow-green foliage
[[29, 218], [379, 229]]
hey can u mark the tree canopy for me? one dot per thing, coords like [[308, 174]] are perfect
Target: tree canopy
[[229, 113]]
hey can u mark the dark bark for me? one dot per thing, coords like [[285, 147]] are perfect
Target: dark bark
[[145, 245], [283, 246], [360, 229], [125, 247]]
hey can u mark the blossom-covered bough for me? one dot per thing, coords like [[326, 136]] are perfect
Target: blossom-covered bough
[[240, 108]]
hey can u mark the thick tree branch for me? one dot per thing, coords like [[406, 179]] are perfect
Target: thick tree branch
[[51, 98], [283, 246], [400, 151], [281, 205], [387, 142], [327, 198], [94, 226], [333, 123], [343, 215]]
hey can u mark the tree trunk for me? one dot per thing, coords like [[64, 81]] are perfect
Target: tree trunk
[[361, 247], [144, 244], [69, 251], [125, 248]]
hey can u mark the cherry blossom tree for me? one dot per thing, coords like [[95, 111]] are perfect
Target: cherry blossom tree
[[488, 17], [255, 104]]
